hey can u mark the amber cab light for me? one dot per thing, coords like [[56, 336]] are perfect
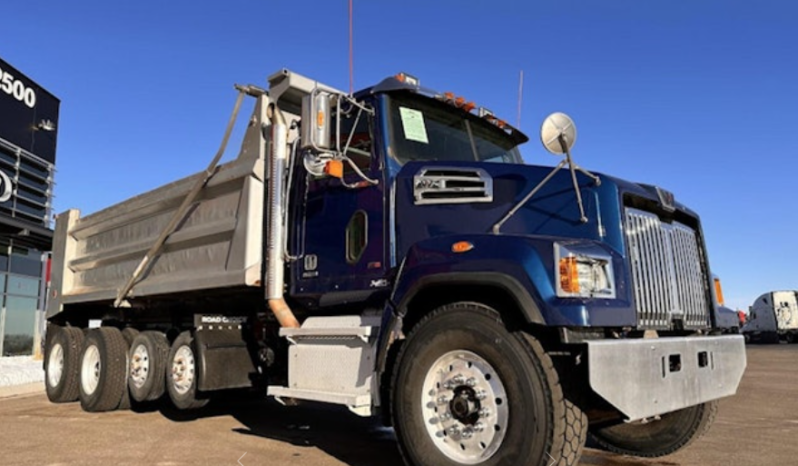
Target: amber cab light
[[462, 246], [719, 292], [334, 168]]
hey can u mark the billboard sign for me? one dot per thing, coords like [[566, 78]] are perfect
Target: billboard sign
[[28, 113]]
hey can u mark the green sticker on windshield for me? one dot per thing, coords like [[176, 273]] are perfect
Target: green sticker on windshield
[[413, 125]]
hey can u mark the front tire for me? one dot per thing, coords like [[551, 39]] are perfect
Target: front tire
[[467, 391], [103, 370], [61, 363], [669, 434], [181, 374]]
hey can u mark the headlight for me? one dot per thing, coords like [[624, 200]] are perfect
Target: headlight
[[585, 274]]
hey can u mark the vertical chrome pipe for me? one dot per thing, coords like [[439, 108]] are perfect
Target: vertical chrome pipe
[[275, 279]]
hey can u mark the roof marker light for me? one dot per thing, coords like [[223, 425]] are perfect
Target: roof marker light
[[408, 79]]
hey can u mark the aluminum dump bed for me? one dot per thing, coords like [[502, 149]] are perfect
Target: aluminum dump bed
[[217, 245]]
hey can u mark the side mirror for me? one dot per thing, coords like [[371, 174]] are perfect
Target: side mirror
[[316, 122]]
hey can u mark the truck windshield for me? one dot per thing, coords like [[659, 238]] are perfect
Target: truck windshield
[[426, 129]]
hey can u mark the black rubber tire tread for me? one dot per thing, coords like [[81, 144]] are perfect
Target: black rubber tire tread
[[113, 370], [555, 437], [570, 444], [653, 440], [158, 349], [190, 399], [71, 340], [129, 333]]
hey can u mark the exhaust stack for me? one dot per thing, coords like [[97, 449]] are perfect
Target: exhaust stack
[[275, 280]]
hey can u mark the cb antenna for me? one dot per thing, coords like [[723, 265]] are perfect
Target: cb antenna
[[351, 55], [520, 97]]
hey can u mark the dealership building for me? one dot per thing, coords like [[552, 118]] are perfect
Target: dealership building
[[28, 133]]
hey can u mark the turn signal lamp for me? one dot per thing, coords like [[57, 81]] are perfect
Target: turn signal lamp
[[569, 275], [334, 168], [583, 272], [462, 246], [719, 292]]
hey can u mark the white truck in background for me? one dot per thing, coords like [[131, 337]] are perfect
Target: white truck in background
[[772, 318]]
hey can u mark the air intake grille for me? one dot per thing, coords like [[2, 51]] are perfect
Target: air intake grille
[[452, 186], [669, 279]]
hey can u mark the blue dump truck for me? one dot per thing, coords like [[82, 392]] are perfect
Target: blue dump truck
[[390, 252]]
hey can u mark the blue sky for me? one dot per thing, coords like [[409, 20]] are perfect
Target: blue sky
[[696, 96]]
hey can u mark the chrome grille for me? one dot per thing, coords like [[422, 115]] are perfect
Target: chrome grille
[[669, 280]]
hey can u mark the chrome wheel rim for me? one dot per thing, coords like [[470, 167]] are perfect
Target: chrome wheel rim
[[90, 368], [183, 370], [55, 365], [139, 366], [464, 407]]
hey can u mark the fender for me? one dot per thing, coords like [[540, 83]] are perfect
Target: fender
[[503, 281], [494, 261], [498, 261]]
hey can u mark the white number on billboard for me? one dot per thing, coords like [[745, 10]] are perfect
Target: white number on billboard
[[17, 89]]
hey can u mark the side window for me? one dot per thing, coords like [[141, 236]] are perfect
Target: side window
[[360, 146], [356, 237]]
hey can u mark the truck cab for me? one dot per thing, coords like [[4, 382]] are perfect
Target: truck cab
[[773, 318]]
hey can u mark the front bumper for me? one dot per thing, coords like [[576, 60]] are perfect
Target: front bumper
[[647, 377]]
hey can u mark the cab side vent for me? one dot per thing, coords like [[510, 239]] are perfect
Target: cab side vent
[[452, 186]]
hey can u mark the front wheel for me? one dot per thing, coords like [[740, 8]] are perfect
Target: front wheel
[[659, 437], [468, 391]]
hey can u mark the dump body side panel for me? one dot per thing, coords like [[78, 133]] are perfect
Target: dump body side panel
[[218, 244]]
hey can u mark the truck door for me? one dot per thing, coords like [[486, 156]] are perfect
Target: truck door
[[342, 236]]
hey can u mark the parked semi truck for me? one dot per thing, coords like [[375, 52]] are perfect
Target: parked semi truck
[[390, 252], [773, 318]]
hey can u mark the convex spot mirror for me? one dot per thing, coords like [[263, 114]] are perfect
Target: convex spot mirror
[[558, 133]]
